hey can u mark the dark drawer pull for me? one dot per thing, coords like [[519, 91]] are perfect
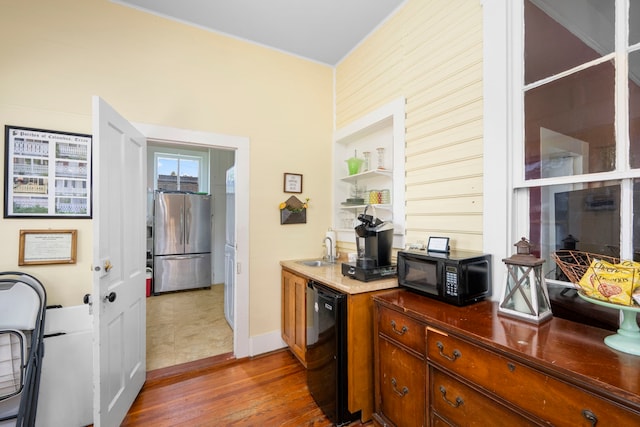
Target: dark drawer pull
[[456, 353], [455, 404], [399, 332], [400, 393], [590, 416]]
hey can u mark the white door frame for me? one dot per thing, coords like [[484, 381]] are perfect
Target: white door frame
[[241, 147]]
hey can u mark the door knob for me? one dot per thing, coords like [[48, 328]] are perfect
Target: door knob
[[111, 297], [107, 266], [88, 299]]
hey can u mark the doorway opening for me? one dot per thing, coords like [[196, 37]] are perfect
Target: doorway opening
[[223, 152], [192, 324]]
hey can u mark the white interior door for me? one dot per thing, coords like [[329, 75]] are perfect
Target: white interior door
[[119, 257]]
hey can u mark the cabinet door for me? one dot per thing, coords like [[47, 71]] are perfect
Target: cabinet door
[[402, 385], [288, 307], [299, 344], [294, 314]]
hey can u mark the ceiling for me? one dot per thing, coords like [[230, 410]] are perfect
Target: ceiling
[[324, 31]]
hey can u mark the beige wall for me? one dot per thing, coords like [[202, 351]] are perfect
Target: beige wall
[[56, 55], [430, 52]]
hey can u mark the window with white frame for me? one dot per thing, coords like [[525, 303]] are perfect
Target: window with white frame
[[576, 171], [180, 172]]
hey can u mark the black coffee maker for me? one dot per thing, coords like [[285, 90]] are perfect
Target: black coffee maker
[[374, 239]]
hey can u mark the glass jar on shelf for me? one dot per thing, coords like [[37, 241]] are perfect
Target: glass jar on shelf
[[381, 159], [358, 193], [385, 196], [366, 165], [375, 197]]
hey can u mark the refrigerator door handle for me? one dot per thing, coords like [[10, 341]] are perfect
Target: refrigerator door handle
[[187, 226], [182, 225], [190, 256]]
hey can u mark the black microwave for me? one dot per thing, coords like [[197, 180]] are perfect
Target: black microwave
[[455, 277]]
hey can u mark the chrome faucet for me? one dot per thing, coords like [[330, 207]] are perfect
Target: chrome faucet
[[330, 255]]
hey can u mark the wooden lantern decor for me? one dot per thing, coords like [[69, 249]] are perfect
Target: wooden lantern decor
[[525, 293]]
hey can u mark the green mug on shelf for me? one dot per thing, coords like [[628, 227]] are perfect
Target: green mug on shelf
[[354, 164]]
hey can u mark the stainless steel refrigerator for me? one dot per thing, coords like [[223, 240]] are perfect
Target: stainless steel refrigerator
[[181, 241]]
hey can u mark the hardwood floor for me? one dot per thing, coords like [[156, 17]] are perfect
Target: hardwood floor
[[268, 390]]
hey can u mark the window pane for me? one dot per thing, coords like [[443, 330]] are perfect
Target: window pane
[[562, 34], [189, 174], [584, 217], [569, 125], [634, 22], [167, 174], [636, 220], [634, 108]]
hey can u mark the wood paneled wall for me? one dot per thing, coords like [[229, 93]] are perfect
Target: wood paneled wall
[[430, 52]]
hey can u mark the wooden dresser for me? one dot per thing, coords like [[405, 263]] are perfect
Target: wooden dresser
[[442, 365]]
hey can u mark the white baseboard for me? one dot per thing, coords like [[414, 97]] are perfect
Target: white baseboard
[[265, 343]]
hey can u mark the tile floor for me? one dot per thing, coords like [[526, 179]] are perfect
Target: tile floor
[[186, 326]]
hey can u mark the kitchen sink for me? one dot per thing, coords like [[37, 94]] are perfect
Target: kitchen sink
[[315, 263]]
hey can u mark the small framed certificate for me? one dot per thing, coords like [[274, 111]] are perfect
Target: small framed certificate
[[41, 247], [292, 183]]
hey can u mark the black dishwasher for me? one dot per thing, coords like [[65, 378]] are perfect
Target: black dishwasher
[[327, 351]]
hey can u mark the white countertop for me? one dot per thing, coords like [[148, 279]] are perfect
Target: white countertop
[[331, 275]]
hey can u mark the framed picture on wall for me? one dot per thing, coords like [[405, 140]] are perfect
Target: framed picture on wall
[[292, 183], [40, 247], [47, 174]]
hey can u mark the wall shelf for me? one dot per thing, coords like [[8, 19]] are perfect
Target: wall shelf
[[381, 128], [377, 206], [367, 174]]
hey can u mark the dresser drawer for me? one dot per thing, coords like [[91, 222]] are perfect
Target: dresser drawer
[[463, 406], [402, 329], [548, 398], [402, 385], [438, 421]]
